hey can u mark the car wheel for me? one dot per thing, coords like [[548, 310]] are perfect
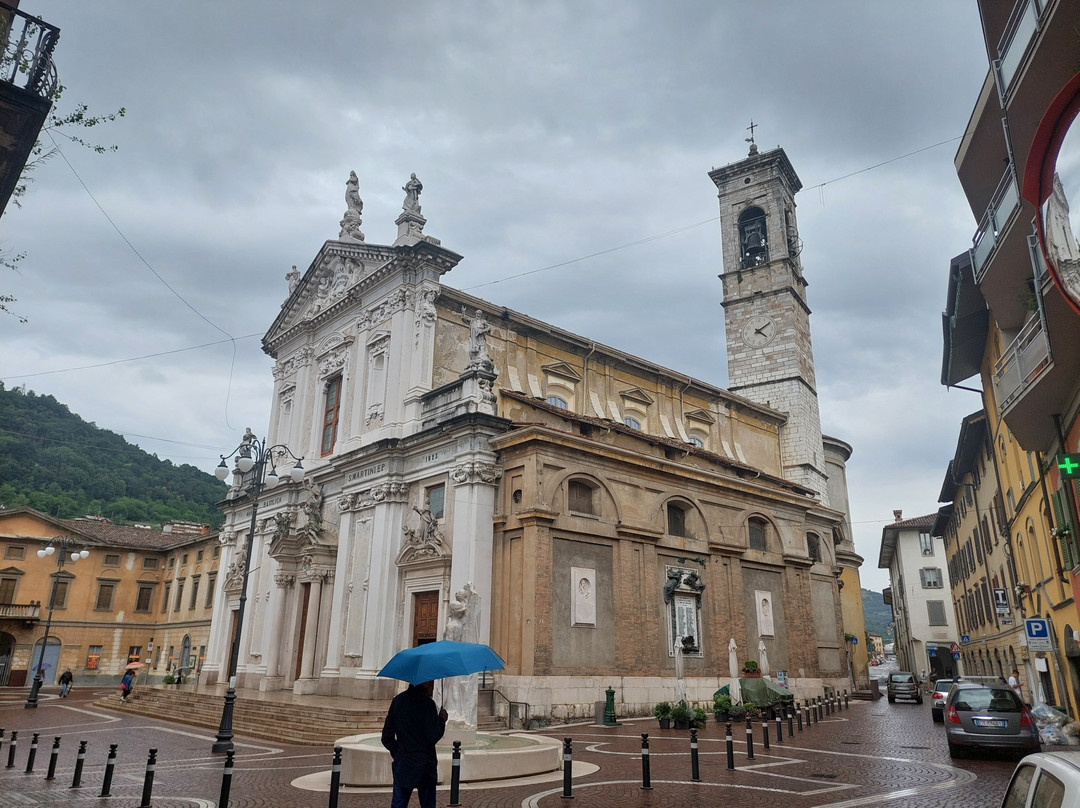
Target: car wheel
[[918, 700], [892, 699], [957, 752], [938, 716]]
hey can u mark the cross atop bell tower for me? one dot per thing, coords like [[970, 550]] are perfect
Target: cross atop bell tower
[[766, 316]]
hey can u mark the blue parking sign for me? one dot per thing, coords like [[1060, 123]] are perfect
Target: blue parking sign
[[1037, 634]]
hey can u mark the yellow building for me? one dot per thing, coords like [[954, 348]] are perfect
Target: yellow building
[[1013, 310], [138, 595]]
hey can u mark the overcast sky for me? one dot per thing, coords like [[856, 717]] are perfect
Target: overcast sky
[[543, 132]]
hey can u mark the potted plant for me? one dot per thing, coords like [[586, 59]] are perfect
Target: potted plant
[[750, 708], [662, 711], [698, 721], [738, 713], [681, 715], [721, 707], [750, 669]]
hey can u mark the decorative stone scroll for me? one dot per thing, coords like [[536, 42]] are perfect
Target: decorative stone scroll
[[398, 301], [473, 472], [285, 580]]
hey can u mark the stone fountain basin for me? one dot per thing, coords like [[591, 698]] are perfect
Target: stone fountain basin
[[364, 761]]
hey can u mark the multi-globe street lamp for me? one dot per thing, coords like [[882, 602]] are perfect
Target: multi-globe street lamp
[[251, 456], [63, 545]]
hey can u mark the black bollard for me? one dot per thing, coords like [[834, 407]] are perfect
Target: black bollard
[[76, 780], [335, 776], [455, 775], [1, 738], [148, 781], [11, 749], [226, 780], [646, 779], [33, 754], [790, 722], [765, 733], [730, 748], [567, 768], [695, 771], [779, 726], [110, 764], [847, 704], [52, 758], [749, 739]]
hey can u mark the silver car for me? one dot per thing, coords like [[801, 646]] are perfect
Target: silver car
[[1048, 778], [988, 716]]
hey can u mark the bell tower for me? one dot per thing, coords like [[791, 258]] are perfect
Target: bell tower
[[767, 321]]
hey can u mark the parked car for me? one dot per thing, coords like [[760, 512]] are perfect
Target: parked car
[[903, 685], [941, 692], [938, 696], [1046, 778], [989, 716]]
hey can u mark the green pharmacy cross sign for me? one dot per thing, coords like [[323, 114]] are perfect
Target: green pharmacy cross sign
[[1069, 465]]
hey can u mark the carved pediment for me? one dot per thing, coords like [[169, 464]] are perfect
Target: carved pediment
[[562, 370], [636, 394], [701, 416], [9, 571], [334, 277]]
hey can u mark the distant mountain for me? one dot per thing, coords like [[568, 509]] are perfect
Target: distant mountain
[[877, 615], [54, 461]]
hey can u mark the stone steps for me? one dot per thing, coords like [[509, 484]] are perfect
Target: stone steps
[[302, 724]]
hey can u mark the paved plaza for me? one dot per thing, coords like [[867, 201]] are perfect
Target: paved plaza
[[870, 753]]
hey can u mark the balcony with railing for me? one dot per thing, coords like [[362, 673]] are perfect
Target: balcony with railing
[[1015, 42], [1005, 203], [1022, 363], [28, 83], [23, 612]]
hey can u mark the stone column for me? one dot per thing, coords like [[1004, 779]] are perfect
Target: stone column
[[474, 504], [284, 583], [339, 605], [306, 683]]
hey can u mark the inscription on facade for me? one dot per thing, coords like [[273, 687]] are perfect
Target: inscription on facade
[[370, 471]]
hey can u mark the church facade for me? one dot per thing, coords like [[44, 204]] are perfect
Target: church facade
[[612, 516]]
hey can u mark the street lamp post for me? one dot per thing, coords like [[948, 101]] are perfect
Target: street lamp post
[[251, 455], [62, 558]]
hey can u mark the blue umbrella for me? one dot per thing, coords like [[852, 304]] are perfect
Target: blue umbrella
[[437, 660]]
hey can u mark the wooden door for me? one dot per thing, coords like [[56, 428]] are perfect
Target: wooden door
[[305, 592], [425, 617]]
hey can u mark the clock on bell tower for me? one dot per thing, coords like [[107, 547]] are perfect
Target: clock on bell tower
[[767, 320]]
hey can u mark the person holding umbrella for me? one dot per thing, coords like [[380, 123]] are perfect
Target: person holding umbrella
[[410, 732], [127, 684]]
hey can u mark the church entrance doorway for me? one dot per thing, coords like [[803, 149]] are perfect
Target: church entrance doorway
[[425, 617]]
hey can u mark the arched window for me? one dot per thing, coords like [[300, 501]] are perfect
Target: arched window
[[580, 497], [753, 237], [813, 546], [676, 519], [557, 401], [758, 530], [695, 439], [632, 422]]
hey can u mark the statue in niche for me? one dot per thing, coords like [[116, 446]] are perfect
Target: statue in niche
[[354, 206], [479, 328], [412, 191], [462, 625], [282, 524], [313, 525], [293, 277]]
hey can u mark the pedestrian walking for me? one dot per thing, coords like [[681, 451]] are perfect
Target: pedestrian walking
[[65, 680], [1014, 683], [412, 728], [127, 684]]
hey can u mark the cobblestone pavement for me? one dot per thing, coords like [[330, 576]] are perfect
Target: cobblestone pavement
[[871, 753]]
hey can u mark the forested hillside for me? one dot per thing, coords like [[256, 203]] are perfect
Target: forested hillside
[[54, 461], [876, 615]]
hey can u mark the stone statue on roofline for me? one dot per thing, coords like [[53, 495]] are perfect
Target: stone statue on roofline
[[351, 221], [412, 191]]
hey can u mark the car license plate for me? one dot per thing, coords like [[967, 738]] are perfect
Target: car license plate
[[990, 722]]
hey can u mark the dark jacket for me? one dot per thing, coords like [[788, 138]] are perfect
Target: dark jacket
[[410, 732], [65, 677]]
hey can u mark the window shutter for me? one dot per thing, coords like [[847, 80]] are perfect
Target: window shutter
[[999, 510]]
